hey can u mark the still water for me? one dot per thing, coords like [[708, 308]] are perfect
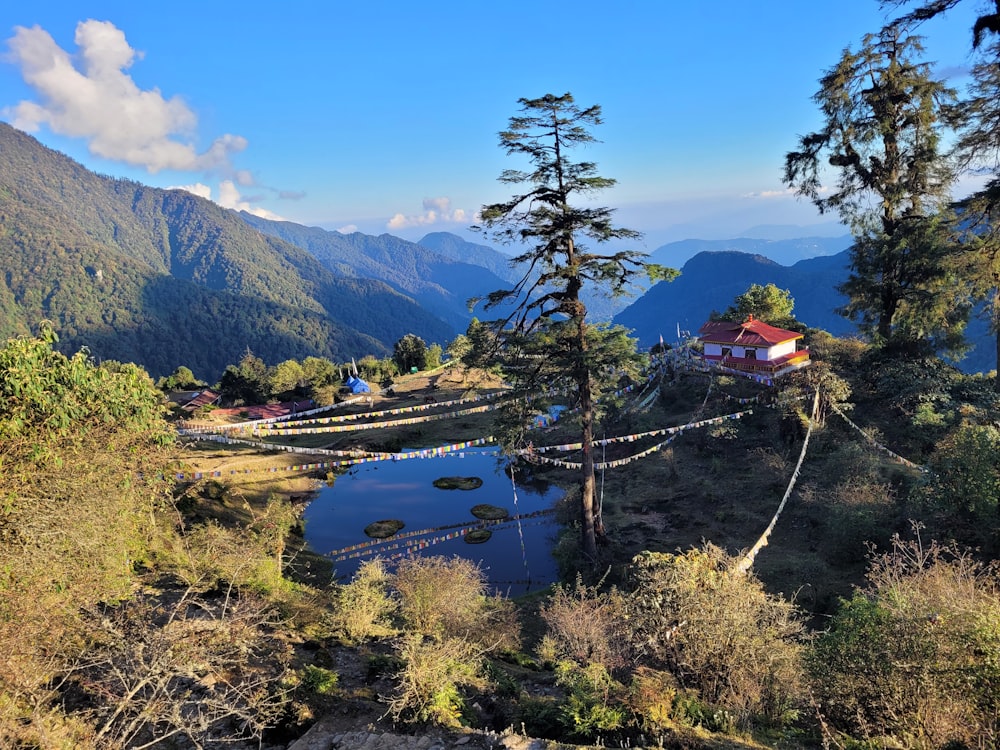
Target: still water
[[436, 519]]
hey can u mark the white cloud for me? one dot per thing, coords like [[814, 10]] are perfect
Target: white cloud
[[91, 96], [436, 211], [229, 197], [765, 194], [437, 204], [199, 188], [348, 229], [245, 178]]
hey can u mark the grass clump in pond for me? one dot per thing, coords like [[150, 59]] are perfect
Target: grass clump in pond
[[458, 483], [488, 512], [477, 536], [383, 529]]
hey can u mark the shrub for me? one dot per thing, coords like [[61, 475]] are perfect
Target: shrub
[[651, 698], [717, 631], [539, 717], [586, 626], [213, 556], [83, 451], [964, 483], [363, 608], [443, 597], [452, 624], [916, 654], [593, 704], [318, 680], [428, 684], [205, 671]]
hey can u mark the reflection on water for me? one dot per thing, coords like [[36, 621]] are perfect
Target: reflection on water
[[404, 490]]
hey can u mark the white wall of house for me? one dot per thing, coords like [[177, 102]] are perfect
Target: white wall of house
[[759, 352], [780, 350]]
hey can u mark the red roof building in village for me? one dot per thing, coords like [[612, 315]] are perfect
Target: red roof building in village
[[752, 346]]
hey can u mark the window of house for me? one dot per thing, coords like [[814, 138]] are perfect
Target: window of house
[[750, 353]]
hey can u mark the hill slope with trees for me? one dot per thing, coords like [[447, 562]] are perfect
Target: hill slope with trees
[[162, 277], [441, 283]]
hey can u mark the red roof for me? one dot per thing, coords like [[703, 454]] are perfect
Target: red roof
[[265, 411], [202, 399], [750, 332]]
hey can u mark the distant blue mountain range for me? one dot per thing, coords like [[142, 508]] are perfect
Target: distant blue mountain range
[[710, 281]]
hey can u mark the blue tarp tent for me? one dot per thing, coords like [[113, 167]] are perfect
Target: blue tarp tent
[[357, 385]]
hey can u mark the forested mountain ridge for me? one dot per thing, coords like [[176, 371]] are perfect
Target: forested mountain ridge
[[442, 282], [785, 251], [710, 281], [452, 246], [163, 278]]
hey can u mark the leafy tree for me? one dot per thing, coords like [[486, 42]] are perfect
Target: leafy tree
[[434, 352], [409, 352], [285, 377], [479, 346], [978, 119], [319, 371], [459, 346], [547, 341], [181, 379], [82, 452], [768, 303], [321, 379], [882, 112], [246, 383], [965, 479]]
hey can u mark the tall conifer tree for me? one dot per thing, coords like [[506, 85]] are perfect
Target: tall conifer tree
[[547, 340], [883, 113], [978, 148]]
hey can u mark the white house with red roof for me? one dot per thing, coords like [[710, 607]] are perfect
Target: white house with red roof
[[752, 346]]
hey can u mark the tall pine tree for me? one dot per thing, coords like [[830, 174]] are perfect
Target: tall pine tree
[[883, 114], [978, 148], [546, 342]]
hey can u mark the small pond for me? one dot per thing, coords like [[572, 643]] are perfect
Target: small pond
[[436, 521]]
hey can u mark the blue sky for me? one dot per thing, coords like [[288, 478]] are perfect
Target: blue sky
[[383, 116]]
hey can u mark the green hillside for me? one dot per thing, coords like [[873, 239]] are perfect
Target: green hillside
[[163, 278], [441, 282]]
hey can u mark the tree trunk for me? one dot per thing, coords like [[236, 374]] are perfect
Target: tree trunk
[[996, 340], [886, 314], [589, 518]]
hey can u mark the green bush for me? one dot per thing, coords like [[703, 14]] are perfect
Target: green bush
[[717, 631], [443, 597], [916, 654], [364, 607], [319, 680], [429, 682], [539, 717], [593, 704], [963, 485]]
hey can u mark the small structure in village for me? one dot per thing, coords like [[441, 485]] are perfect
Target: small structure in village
[[752, 346], [194, 400]]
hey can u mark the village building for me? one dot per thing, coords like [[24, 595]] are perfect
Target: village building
[[752, 346]]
